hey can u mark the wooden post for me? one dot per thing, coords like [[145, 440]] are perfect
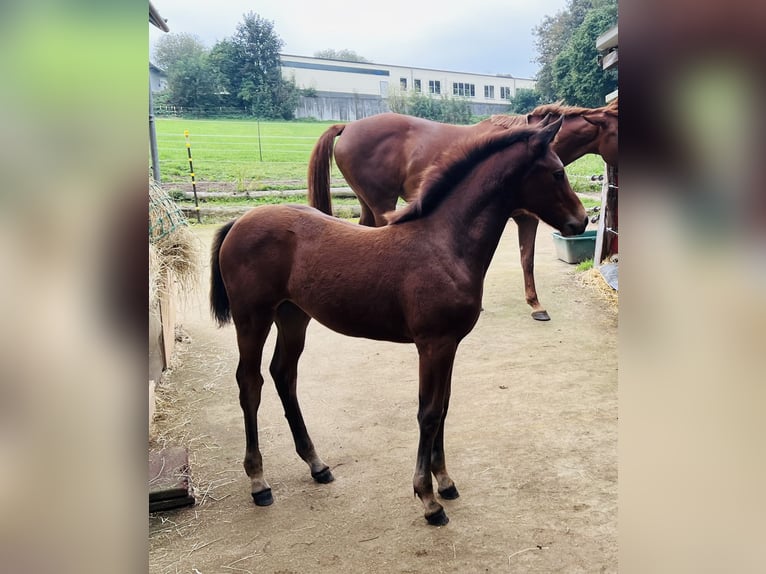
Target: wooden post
[[597, 253], [606, 236]]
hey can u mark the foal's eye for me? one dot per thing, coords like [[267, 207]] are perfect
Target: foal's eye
[[558, 175]]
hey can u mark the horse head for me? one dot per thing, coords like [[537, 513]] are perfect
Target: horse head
[[606, 120], [545, 189], [585, 130]]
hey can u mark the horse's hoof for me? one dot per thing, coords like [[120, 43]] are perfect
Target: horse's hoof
[[438, 518], [449, 493], [323, 476], [541, 316], [263, 498]]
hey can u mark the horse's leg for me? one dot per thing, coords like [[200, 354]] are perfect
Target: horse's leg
[[251, 336], [380, 202], [527, 225], [445, 485], [366, 217], [291, 335], [436, 359]]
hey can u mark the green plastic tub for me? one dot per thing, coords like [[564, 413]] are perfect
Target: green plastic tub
[[576, 248]]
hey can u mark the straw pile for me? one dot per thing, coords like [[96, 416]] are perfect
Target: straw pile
[[593, 279], [174, 250]]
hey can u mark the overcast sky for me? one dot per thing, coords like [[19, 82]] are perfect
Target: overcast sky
[[486, 37]]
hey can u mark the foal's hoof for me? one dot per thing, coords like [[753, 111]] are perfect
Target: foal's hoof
[[263, 498], [438, 518], [449, 493], [323, 476], [541, 316]]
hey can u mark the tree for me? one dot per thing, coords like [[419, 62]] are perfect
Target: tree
[[345, 55], [250, 69], [557, 56], [552, 36], [224, 61], [191, 78], [577, 77], [173, 48], [525, 101]]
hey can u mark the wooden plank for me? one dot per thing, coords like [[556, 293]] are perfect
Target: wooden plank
[[608, 39], [168, 319], [169, 485], [610, 59]]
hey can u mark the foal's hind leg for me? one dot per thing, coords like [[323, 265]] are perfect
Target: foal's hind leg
[[251, 336], [291, 324], [527, 225]]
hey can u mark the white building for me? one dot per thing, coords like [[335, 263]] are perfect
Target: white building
[[346, 91]]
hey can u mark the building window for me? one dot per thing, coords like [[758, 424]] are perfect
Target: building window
[[434, 87], [489, 92], [461, 89], [416, 85], [505, 93], [403, 83]]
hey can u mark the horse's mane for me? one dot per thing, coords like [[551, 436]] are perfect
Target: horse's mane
[[451, 167], [561, 109], [506, 121], [557, 109]]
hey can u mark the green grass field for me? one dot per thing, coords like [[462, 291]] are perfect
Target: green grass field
[[255, 156]]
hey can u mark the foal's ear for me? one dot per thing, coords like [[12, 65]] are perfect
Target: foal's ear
[[547, 130]]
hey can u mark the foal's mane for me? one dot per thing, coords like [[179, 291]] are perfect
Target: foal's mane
[[451, 167]]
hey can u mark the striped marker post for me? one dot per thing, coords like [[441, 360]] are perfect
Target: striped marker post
[[191, 170]]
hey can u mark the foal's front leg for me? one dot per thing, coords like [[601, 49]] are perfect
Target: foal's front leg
[[527, 229], [436, 359], [445, 485]]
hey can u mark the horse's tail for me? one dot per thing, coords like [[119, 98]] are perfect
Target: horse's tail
[[320, 164], [219, 299]]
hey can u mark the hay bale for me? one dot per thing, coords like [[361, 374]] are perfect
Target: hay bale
[[154, 276], [175, 247]]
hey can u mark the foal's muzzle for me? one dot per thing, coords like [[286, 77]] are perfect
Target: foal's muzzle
[[574, 227]]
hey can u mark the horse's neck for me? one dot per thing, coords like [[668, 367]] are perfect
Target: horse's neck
[[474, 216], [571, 145]]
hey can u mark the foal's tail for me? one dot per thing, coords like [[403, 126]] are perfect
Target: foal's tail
[[319, 169], [219, 300]]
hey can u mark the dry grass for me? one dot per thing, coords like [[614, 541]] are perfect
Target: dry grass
[[594, 280], [174, 250], [175, 424]]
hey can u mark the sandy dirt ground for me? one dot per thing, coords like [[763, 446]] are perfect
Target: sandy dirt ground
[[531, 442]]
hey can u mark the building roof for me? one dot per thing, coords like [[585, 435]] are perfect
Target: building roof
[[157, 20]]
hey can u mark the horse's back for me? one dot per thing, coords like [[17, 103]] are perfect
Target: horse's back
[[386, 154]]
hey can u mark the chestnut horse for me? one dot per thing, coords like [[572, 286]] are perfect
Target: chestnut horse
[[418, 280], [383, 157]]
